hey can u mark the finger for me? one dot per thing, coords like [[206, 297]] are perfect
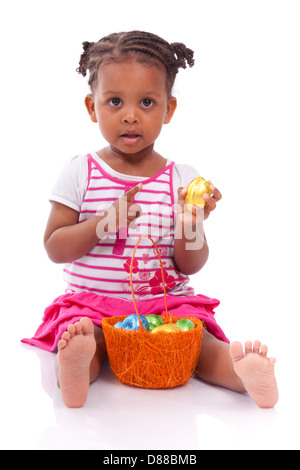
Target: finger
[[134, 211], [181, 194], [206, 214], [215, 193], [210, 203], [181, 197], [132, 226], [132, 192]]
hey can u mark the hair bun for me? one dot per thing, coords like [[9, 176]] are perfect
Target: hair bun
[[86, 45], [84, 58], [183, 54]]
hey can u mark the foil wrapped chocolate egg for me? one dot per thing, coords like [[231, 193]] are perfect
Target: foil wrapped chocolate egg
[[167, 328], [154, 320], [185, 324], [132, 322], [195, 190]]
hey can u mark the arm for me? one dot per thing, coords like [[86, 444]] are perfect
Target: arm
[[66, 240], [190, 248]]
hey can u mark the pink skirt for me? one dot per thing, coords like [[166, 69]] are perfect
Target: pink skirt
[[70, 308]]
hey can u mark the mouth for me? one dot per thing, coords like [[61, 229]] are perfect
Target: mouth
[[130, 137]]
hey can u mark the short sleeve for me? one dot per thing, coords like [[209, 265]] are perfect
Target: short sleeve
[[71, 185], [182, 176]]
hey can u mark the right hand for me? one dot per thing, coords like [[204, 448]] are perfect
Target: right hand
[[121, 214], [126, 211]]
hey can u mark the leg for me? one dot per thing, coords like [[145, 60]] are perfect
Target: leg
[[80, 353], [100, 354], [228, 367], [215, 364]]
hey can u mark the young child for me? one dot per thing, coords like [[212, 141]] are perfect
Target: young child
[[104, 201]]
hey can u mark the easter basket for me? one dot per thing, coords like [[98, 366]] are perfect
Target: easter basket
[[143, 359]]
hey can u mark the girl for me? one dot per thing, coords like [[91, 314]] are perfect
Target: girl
[[104, 201]]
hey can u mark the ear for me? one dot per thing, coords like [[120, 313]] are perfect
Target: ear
[[171, 106], [90, 106]]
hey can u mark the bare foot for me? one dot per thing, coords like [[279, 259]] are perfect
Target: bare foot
[[75, 352], [256, 371]]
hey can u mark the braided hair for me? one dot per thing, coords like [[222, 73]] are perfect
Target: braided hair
[[145, 47]]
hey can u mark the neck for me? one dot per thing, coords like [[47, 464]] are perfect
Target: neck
[[139, 158], [144, 163]]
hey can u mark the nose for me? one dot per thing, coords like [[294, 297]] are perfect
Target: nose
[[130, 115]]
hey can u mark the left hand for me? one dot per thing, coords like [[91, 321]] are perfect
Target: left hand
[[200, 214], [211, 201]]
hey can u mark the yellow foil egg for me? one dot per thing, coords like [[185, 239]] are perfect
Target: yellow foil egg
[[167, 327], [195, 190]]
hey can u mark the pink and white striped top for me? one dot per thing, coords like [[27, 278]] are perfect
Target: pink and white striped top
[[105, 269]]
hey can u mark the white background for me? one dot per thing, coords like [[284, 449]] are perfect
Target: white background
[[237, 122]]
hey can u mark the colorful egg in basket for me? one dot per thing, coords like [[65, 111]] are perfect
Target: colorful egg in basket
[[141, 358]]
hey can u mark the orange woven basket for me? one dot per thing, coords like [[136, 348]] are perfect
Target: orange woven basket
[[143, 359]]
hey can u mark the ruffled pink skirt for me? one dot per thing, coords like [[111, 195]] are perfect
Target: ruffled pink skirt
[[71, 307]]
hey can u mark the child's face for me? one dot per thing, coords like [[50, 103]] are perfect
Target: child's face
[[130, 104]]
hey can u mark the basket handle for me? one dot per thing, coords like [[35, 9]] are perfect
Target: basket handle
[[162, 275]]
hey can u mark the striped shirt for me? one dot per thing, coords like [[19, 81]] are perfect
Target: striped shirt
[[105, 270]]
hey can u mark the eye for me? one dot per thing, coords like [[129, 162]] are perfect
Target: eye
[[147, 103], [115, 102]]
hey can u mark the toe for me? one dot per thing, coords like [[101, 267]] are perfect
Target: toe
[[61, 344], [71, 330], [248, 347], [66, 336], [264, 350], [236, 351], [256, 346], [78, 328], [87, 326]]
